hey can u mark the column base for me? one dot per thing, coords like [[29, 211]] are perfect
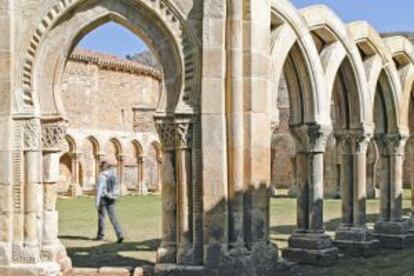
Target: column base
[[5, 254], [166, 254], [179, 270], [394, 234], [410, 223], [40, 269], [56, 253], [311, 248], [356, 242]]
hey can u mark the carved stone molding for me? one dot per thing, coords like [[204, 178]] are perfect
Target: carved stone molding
[[310, 138], [183, 134], [32, 134], [53, 135], [392, 144], [353, 143], [166, 132], [174, 21]]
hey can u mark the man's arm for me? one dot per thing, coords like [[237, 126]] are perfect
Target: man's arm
[[100, 189]]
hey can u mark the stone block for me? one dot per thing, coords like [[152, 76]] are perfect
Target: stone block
[[84, 272], [179, 270], [310, 241], [352, 248], [391, 227], [323, 257], [114, 271], [311, 248]]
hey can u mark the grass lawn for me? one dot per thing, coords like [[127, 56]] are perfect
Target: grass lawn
[[140, 217]]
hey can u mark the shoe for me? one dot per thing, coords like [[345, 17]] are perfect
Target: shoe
[[120, 240], [99, 239]]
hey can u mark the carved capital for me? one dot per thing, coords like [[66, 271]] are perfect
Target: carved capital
[[353, 143], [183, 134], [32, 134], [392, 144], [166, 132], [53, 135], [310, 138]]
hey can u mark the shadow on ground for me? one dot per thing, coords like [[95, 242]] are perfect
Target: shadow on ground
[[330, 226], [109, 253]]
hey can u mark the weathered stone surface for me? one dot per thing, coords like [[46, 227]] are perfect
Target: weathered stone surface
[[228, 69]]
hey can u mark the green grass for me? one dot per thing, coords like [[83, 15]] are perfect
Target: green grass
[[140, 217]]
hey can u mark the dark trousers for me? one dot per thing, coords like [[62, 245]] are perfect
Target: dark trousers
[[108, 205]]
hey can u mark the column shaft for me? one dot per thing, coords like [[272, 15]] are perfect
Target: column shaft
[[32, 192], [315, 192], [235, 123]]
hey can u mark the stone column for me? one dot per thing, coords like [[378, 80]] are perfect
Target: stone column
[[183, 144], [309, 243], [411, 162], [28, 196], [391, 229], [235, 122], [75, 188], [167, 251], [99, 157], [140, 168], [52, 248], [121, 174], [353, 237]]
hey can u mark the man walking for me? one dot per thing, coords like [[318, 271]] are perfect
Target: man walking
[[107, 191]]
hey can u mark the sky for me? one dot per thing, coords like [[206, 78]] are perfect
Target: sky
[[113, 39], [384, 15]]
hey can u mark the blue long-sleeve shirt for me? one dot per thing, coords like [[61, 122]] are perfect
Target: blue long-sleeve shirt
[[103, 190]]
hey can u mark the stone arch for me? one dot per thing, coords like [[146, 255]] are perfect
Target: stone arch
[[71, 142], [338, 53], [159, 24], [298, 57], [134, 166], [381, 71], [95, 143], [402, 51], [89, 151], [153, 166]]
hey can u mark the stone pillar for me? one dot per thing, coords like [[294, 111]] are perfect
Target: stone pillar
[[140, 168], [32, 193], [52, 249], [28, 194], [391, 229], [411, 164], [75, 188], [309, 243], [52, 138], [183, 145], [121, 174], [353, 237], [235, 122], [99, 157], [166, 253]]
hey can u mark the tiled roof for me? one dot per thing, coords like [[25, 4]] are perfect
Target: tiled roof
[[110, 62]]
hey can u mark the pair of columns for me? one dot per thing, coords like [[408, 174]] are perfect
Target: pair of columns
[[75, 188], [180, 200], [309, 243]]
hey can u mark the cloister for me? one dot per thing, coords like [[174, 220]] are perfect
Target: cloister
[[222, 62]]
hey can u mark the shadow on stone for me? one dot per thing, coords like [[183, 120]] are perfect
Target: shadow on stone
[[112, 254]]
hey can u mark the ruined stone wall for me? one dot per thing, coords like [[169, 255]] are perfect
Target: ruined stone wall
[[109, 99], [100, 96]]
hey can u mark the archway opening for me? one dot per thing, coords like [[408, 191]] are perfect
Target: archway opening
[[110, 95]]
